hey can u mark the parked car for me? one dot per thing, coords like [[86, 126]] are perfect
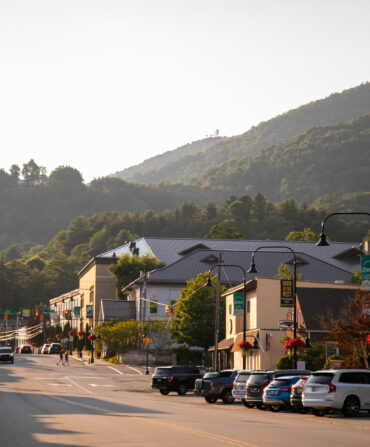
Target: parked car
[[217, 385], [176, 378], [6, 354], [25, 349], [347, 390], [258, 381], [276, 395], [296, 395], [239, 385], [45, 348], [55, 348]]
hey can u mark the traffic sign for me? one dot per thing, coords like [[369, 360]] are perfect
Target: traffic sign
[[365, 272]]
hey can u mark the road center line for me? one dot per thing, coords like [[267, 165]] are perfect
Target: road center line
[[79, 386], [114, 369]]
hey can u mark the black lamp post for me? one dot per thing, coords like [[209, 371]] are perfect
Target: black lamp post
[[254, 270], [209, 283], [322, 241]]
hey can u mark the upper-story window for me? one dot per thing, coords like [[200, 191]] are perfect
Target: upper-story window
[[153, 306]]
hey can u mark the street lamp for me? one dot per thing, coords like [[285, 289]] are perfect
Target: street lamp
[[322, 241], [253, 269], [209, 283]]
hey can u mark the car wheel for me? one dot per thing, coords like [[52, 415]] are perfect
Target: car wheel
[[12, 361], [227, 397], [211, 400], [351, 407], [181, 391], [247, 404], [261, 406], [318, 412], [164, 392], [275, 408]]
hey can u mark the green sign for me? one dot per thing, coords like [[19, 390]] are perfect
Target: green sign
[[286, 293], [11, 312], [47, 311], [365, 272], [77, 311], [238, 304]]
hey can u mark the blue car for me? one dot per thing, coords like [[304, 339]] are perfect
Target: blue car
[[276, 395]]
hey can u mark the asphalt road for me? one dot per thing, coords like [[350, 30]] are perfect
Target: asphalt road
[[42, 404]]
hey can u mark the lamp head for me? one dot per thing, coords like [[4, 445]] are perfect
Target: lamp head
[[322, 242], [209, 282], [255, 343], [252, 268], [307, 343]]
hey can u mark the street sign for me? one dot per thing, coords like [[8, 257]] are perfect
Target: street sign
[[77, 311], [11, 312], [365, 272], [238, 304], [26, 312], [286, 293], [47, 311]]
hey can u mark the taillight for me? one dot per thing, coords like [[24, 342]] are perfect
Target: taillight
[[285, 389], [332, 388], [170, 379], [233, 385]]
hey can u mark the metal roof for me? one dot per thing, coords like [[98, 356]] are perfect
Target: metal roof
[[267, 264], [170, 250]]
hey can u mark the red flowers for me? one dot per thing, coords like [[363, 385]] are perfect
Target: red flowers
[[33, 344], [71, 333], [368, 339], [92, 337], [59, 336], [81, 333], [294, 343], [49, 339], [244, 345]]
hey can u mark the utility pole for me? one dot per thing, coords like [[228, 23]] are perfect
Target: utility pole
[[217, 311]]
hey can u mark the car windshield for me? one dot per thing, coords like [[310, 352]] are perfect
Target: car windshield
[[163, 371], [6, 350], [321, 378], [257, 379], [211, 375]]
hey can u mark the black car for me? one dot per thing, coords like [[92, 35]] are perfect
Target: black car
[[55, 348], [25, 349], [217, 385], [176, 378], [258, 381], [296, 395], [6, 354]]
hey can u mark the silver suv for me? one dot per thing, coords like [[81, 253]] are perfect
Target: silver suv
[[347, 390], [239, 385]]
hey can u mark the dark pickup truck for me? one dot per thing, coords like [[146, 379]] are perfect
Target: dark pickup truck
[[216, 385]]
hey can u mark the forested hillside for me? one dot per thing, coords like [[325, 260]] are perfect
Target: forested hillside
[[188, 167], [30, 274], [332, 159], [155, 163]]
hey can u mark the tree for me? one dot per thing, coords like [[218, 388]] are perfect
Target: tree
[[284, 272], [351, 331], [306, 235], [195, 317], [128, 269], [32, 173], [15, 171]]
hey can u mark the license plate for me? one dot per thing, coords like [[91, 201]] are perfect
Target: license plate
[[273, 393], [159, 380]]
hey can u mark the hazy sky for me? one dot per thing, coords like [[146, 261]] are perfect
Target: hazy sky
[[101, 85]]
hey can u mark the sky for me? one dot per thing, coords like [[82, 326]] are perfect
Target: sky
[[102, 85]]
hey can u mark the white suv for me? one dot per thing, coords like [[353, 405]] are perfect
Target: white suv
[[338, 389]]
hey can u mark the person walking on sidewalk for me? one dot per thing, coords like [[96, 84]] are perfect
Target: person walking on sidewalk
[[61, 357], [66, 359]]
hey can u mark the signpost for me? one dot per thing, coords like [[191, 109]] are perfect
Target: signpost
[[365, 272]]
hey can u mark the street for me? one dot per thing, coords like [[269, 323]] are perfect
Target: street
[[43, 404]]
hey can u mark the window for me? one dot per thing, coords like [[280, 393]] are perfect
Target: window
[[362, 378], [248, 306], [153, 307], [230, 309]]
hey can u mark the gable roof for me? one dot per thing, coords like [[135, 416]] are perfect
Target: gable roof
[[323, 304], [170, 250], [267, 264]]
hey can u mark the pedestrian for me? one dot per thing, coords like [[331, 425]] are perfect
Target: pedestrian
[[66, 357], [61, 357]]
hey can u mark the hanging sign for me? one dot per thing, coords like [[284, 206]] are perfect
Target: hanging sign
[[286, 293], [238, 303], [89, 311], [77, 311]]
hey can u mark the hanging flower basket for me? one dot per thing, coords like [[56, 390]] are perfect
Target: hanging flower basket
[[71, 333], [92, 337], [368, 339], [49, 339], [81, 333], [244, 346], [59, 336], [33, 344], [294, 343]]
